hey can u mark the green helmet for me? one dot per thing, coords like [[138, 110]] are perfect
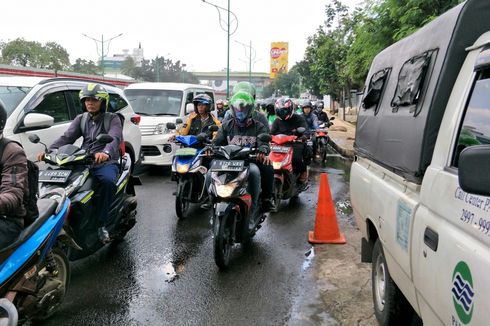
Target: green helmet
[[242, 107], [244, 87], [96, 91]]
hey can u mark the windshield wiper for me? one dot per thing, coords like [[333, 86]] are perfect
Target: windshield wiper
[[169, 114], [142, 113]]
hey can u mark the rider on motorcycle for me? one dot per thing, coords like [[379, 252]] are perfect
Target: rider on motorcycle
[[242, 129], [201, 119], [287, 123], [256, 115], [95, 100], [12, 188], [322, 115], [311, 120], [221, 110]]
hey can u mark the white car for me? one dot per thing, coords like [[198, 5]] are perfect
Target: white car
[[46, 106]]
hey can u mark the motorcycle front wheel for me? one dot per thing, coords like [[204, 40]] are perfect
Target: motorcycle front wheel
[[223, 240], [182, 205], [323, 151], [277, 195]]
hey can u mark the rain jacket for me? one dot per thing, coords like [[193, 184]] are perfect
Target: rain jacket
[[194, 125]]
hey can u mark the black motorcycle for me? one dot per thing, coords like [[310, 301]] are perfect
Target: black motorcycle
[[69, 167], [233, 218]]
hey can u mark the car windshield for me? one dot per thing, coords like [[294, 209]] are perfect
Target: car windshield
[[11, 96], [155, 102]]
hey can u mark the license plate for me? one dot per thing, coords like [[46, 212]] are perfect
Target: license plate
[[279, 149], [188, 151], [222, 165], [309, 143], [54, 176]]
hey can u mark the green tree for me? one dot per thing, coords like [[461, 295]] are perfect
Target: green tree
[[161, 69], [33, 54], [287, 84], [83, 66]]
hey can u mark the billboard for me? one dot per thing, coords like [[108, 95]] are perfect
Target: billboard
[[279, 58]]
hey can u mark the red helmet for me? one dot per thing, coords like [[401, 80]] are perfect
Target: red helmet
[[284, 108]]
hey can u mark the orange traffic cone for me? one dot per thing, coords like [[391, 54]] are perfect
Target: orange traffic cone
[[326, 228]]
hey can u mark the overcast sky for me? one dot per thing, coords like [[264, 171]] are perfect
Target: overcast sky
[[188, 30]]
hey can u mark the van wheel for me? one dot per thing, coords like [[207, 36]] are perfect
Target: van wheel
[[390, 306]]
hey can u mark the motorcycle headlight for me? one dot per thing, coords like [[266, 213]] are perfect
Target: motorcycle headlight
[[182, 168], [226, 190], [160, 129]]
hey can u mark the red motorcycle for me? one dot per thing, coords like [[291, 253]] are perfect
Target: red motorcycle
[[285, 180], [322, 139]]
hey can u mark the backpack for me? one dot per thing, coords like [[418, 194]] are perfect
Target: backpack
[[106, 124], [29, 200]]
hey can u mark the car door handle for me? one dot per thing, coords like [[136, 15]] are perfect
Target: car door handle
[[431, 238]]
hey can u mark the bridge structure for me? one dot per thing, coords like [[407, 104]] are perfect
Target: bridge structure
[[217, 80]]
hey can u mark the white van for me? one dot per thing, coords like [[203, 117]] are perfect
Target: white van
[[157, 104], [420, 185]]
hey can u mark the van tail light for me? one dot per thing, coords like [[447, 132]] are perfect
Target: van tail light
[[136, 118]]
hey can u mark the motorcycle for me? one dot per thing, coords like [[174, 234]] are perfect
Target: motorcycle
[[233, 219], [281, 156], [322, 139], [69, 167], [34, 270], [189, 172]]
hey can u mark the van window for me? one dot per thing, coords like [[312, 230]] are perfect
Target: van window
[[155, 102], [375, 90], [11, 96], [54, 105], [475, 129]]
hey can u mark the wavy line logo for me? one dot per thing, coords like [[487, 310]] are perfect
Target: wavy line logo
[[463, 292]]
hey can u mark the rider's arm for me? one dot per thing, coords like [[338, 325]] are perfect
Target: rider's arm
[[263, 147], [14, 180], [218, 123], [71, 134], [115, 130], [184, 131], [275, 127], [220, 139], [314, 122]]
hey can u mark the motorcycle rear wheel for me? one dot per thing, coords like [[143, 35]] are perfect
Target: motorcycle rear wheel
[[323, 152], [277, 195], [223, 240], [63, 269]]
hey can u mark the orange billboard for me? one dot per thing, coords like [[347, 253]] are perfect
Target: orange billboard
[[279, 58]]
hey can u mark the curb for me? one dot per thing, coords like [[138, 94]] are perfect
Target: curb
[[349, 153]]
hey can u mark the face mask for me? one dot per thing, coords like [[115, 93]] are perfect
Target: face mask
[[241, 116]]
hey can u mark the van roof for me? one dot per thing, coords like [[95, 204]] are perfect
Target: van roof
[[31, 81], [167, 86]]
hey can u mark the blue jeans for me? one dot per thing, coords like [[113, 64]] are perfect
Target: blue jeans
[[107, 177]]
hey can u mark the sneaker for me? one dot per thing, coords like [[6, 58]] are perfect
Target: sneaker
[[268, 205], [302, 186], [207, 205], [104, 235]]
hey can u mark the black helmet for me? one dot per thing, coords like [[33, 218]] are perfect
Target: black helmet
[[3, 116], [269, 106], [284, 108], [203, 99], [96, 91]]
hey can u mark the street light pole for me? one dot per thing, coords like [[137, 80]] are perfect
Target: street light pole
[[228, 34], [250, 48], [102, 47]]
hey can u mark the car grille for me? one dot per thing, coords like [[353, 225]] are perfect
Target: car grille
[[147, 130], [150, 151]]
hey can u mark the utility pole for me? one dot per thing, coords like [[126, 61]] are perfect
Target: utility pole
[[101, 41]]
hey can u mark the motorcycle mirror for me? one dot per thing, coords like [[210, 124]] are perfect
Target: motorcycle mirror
[[202, 137], [332, 118], [179, 121], [171, 126], [104, 138], [266, 138], [33, 138], [301, 130], [213, 128]]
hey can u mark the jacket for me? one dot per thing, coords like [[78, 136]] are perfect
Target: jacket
[[231, 134], [93, 128], [13, 184], [289, 126], [194, 125], [256, 115]]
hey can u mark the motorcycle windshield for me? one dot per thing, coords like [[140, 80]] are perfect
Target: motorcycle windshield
[[187, 140]]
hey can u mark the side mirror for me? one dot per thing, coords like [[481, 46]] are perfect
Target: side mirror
[[179, 121], [300, 130], [266, 138], [104, 138], [332, 118], [38, 121], [171, 126], [471, 159], [33, 138], [213, 128], [202, 137], [189, 108]]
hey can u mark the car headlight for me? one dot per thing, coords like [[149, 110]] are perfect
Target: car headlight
[[226, 190], [160, 129]]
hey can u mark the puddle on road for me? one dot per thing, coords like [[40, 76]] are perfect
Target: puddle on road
[[169, 272], [310, 254]]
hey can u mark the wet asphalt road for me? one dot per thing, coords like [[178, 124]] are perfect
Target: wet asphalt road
[[164, 273]]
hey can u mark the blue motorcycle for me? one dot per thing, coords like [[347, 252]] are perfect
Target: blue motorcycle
[[34, 270]]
